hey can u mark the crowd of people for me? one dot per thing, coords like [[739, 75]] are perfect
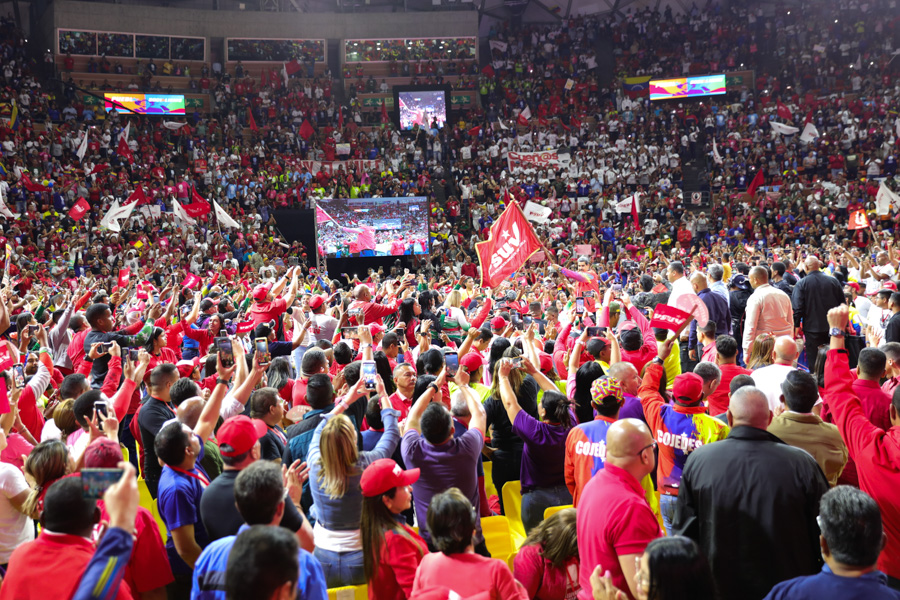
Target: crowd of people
[[367, 423]]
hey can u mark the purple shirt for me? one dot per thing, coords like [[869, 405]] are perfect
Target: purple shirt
[[443, 466], [632, 409], [544, 457]]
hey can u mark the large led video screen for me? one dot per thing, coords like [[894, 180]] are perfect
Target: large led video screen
[[351, 227], [422, 108], [687, 87], [146, 104]]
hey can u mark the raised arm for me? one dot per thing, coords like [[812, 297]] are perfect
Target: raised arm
[[210, 414], [414, 417], [507, 395]]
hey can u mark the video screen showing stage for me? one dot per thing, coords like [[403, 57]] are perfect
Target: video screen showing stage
[[423, 108], [348, 228]]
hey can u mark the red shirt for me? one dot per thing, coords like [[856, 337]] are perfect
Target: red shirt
[[718, 400], [876, 454], [613, 520], [541, 579], [148, 568], [875, 402], [27, 576], [263, 312], [372, 312], [398, 402], [467, 575], [401, 554], [298, 392]]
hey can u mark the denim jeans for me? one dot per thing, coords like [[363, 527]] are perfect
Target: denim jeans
[[297, 359], [341, 568], [667, 504], [535, 502]]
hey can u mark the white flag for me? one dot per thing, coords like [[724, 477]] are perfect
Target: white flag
[[181, 214], [809, 133], [124, 134], [498, 45], [858, 64], [173, 125], [223, 218], [502, 126], [624, 206], [82, 147], [4, 209], [716, 156], [783, 129], [885, 199], [284, 74], [537, 213], [526, 114], [116, 212]]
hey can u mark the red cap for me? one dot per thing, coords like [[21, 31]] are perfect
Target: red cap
[[888, 285], [102, 453], [186, 367], [316, 301], [383, 475], [240, 432], [687, 387], [261, 291], [375, 328], [854, 285], [498, 323], [471, 362], [546, 362]]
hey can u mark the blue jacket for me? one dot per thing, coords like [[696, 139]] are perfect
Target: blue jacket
[[718, 313], [826, 585]]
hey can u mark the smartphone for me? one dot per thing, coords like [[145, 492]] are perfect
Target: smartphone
[[451, 359], [223, 345], [95, 482], [262, 350], [104, 347], [32, 330], [617, 287], [593, 331], [133, 354], [589, 294], [293, 261], [19, 375], [350, 333], [518, 363], [102, 408], [369, 372], [528, 319], [579, 305]]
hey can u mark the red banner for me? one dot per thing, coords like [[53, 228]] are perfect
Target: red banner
[[124, 277], [512, 241], [190, 281], [79, 209], [198, 206], [858, 220], [244, 327], [669, 317]]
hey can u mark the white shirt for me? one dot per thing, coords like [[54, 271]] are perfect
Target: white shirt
[[15, 527], [769, 380], [680, 287]]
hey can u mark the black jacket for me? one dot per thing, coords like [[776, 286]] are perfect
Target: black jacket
[[892, 330], [750, 502], [813, 297]]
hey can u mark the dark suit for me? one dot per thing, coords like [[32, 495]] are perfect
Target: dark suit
[[750, 502], [813, 297]]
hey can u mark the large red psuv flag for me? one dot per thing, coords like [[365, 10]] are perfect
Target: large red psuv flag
[[79, 209], [669, 317], [858, 220], [511, 242]]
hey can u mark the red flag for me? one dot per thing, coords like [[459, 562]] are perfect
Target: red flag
[[79, 209], [245, 326], [858, 220], [124, 277], [756, 183], [340, 119], [138, 196], [475, 131], [669, 317], [489, 71], [543, 122], [123, 150], [784, 112], [322, 216], [634, 212], [292, 67], [190, 281], [198, 206], [98, 169], [575, 121], [251, 121], [306, 130], [521, 120], [808, 118], [384, 113], [511, 242], [32, 186]]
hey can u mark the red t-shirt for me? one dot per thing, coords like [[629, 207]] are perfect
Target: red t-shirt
[[263, 312], [541, 579], [614, 520], [148, 568]]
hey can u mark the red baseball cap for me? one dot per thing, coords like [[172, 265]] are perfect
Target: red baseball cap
[[186, 367], [102, 453], [471, 361], [498, 323], [261, 291], [241, 433], [316, 301], [888, 285], [384, 474], [688, 387], [546, 362]]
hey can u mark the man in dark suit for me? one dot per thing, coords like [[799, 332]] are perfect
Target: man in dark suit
[[892, 329], [814, 295]]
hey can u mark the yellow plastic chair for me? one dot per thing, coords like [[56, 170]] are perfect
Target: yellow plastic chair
[[512, 506], [501, 541], [147, 501], [349, 592], [552, 510], [489, 487]]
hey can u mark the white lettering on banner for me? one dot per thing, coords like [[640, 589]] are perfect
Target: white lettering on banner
[[673, 319], [546, 158], [597, 449], [508, 249], [678, 441], [314, 166]]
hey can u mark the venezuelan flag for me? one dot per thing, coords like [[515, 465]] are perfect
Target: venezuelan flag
[[14, 117]]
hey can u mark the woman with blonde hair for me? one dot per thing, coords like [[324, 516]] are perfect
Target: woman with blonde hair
[[336, 466], [47, 463], [547, 563], [761, 351], [453, 318]]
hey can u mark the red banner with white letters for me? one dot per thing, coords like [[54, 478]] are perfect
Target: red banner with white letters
[[511, 242], [669, 317]]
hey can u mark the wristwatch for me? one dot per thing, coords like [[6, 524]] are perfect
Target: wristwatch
[[434, 387], [836, 332], [220, 381], [659, 361]]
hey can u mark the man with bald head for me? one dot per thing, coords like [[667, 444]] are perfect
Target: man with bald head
[[750, 502], [614, 521], [769, 379], [716, 305], [768, 310], [813, 297], [363, 311]]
